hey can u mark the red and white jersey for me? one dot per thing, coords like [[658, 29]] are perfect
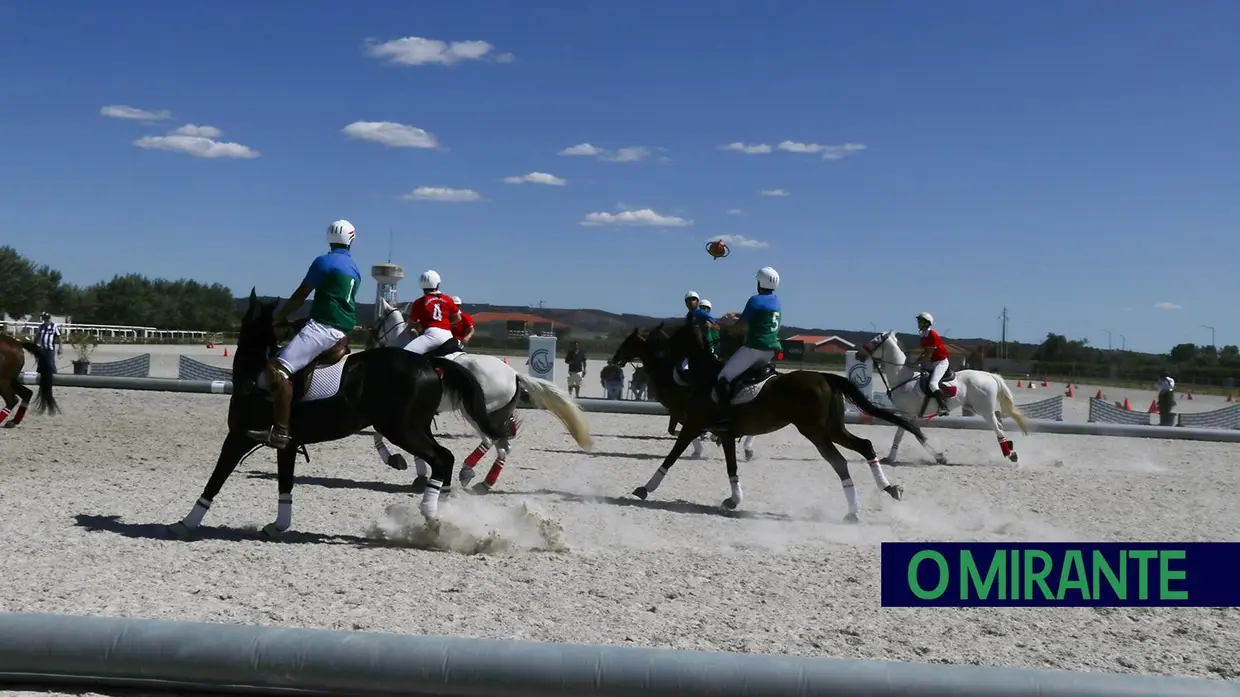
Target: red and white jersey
[[931, 339], [461, 329], [433, 310]]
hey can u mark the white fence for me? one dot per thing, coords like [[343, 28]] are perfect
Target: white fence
[[159, 655], [618, 406]]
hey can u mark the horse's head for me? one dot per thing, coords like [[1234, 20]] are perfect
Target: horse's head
[[256, 339], [687, 341], [389, 325], [883, 348]]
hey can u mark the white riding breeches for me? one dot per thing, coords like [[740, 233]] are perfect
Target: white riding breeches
[[744, 359], [428, 340], [312, 340], [937, 370]]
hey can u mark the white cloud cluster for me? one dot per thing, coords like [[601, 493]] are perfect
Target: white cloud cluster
[[774, 192], [120, 111], [740, 241], [643, 217], [416, 50], [536, 178], [441, 193], [1168, 306], [828, 152], [393, 135], [735, 211], [199, 141], [633, 153]]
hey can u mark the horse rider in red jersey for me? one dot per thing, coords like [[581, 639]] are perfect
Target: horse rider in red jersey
[[934, 357]]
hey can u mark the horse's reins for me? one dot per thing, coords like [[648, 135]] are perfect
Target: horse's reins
[[878, 363]]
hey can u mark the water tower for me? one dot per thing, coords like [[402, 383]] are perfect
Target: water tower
[[386, 277]]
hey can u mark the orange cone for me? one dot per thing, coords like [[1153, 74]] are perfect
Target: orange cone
[[1045, 384], [1231, 397], [1019, 384], [1153, 406], [1127, 404], [1190, 395], [225, 352], [1100, 395], [1029, 385], [505, 360], [1071, 391]]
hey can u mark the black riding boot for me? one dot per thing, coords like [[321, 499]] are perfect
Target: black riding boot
[[281, 405], [938, 397]]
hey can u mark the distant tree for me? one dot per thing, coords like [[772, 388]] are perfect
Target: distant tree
[[1183, 353], [19, 290]]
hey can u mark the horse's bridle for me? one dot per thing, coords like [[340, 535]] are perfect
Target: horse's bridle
[[375, 336], [878, 368]]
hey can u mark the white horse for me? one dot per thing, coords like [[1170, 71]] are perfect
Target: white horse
[[501, 384], [985, 393]]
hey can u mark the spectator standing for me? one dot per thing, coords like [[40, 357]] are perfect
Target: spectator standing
[[576, 360], [47, 338], [612, 379], [1166, 399]]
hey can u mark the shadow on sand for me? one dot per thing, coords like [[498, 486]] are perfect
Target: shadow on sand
[[338, 482], [603, 453], [677, 506], [158, 531]]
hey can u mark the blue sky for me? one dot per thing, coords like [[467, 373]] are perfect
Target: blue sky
[[1073, 161]]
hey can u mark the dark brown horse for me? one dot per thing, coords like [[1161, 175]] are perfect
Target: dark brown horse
[[14, 393], [766, 401]]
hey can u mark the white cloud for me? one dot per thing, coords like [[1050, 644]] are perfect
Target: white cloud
[[120, 111], [536, 178], [829, 152], [774, 192], [190, 129], [440, 193], [735, 211], [633, 153], [740, 241], [756, 149], [1168, 306], [393, 135], [416, 50], [644, 217], [199, 141]]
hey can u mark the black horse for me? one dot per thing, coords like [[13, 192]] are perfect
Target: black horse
[[395, 391]]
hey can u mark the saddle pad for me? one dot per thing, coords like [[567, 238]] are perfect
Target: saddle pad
[[747, 393], [324, 381]]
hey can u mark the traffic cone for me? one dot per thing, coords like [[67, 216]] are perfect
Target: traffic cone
[[1071, 390], [1045, 384], [1029, 385], [1127, 404], [1190, 395], [1100, 395], [1018, 384], [225, 352], [211, 345], [1231, 397], [505, 360], [1153, 406]]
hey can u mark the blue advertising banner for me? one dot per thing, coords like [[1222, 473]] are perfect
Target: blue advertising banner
[[1062, 574]]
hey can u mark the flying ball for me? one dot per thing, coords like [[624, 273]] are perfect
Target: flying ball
[[717, 249]]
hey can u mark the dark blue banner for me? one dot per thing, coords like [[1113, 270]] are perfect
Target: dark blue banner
[[1064, 574]]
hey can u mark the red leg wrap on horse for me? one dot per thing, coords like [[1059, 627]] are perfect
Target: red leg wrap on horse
[[1006, 446], [512, 426], [4, 414], [476, 455], [493, 475], [21, 414]]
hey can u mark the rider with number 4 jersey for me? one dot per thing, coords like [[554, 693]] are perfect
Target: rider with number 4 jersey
[[435, 313]]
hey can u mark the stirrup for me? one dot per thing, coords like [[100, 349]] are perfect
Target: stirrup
[[275, 437]]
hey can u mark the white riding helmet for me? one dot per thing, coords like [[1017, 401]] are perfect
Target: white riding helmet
[[926, 316], [429, 280], [704, 304], [340, 232], [768, 278], [692, 295], [457, 300]]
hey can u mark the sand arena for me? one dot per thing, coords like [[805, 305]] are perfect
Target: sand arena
[[561, 552]]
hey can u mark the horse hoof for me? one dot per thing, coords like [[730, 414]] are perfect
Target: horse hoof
[[895, 491], [419, 484], [852, 518], [748, 455], [887, 461], [271, 531], [940, 459], [729, 503], [445, 494], [430, 512], [481, 489], [467, 475], [398, 463], [641, 493], [1013, 457], [179, 531]]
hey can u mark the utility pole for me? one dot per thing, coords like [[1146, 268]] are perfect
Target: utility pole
[[1108, 331], [1212, 344], [1003, 334]]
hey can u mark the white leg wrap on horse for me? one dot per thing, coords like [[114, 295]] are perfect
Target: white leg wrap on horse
[[736, 489], [747, 443], [430, 497], [850, 493], [697, 447], [194, 519], [656, 479], [284, 512], [384, 453], [420, 466], [876, 469]]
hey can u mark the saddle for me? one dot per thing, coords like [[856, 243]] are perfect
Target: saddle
[[332, 356], [924, 380], [751, 377], [447, 348]]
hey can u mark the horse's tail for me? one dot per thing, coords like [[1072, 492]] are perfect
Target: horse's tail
[[547, 395], [1008, 406], [854, 393], [471, 399], [45, 401]]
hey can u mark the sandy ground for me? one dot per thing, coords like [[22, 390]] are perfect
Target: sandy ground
[[561, 552]]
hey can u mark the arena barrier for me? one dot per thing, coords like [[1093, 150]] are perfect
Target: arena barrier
[[90, 652], [136, 367], [190, 369], [629, 406]]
